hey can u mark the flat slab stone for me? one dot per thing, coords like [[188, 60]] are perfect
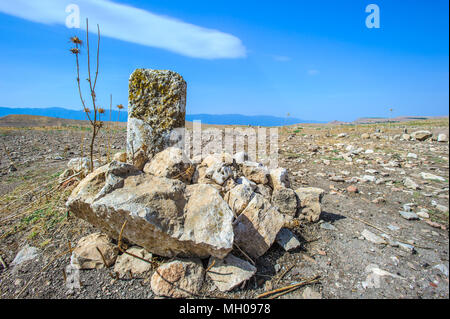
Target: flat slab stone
[[27, 253], [369, 236], [409, 215], [230, 272]]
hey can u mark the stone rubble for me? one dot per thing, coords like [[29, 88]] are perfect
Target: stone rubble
[[168, 205]]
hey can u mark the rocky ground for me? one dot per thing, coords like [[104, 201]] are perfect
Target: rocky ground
[[362, 247]]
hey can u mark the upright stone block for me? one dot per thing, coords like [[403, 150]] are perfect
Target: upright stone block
[[156, 112]]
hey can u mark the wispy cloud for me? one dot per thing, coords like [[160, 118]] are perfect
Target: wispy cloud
[[281, 58], [313, 72], [134, 25]]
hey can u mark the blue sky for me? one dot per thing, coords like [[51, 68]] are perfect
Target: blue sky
[[316, 60]]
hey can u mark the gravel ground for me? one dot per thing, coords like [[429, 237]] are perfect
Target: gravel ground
[[332, 248]]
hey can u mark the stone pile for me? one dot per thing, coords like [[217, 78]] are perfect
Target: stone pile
[[212, 209]]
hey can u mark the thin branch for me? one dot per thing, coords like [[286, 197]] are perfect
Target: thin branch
[[290, 287], [3, 263], [246, 256], [98, 54]]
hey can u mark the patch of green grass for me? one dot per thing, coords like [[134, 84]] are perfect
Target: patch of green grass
[[331, 158], [438, 160], [439, 217]]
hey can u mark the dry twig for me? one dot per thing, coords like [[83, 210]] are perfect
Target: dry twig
[[289, 288], [246, 256]]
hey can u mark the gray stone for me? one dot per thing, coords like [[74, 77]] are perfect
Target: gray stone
[[285, 199], [27, 253], [230, 272], [422, 135], [442, 138], [409, 183], [327, 226], [279, 178], [287, 240], [239, 197], [309, 203], [431, 177], [369, 236], [409, 215]]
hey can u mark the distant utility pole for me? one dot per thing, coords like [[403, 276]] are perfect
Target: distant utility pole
[[391, 110]]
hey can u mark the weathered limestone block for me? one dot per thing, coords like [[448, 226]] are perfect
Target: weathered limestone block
[[256, 172], [285, 200], [230, 272], [257, 226], [154, 210], [422, 135], [310, 199], [208, 220], [120, 157], [178, 279], [279, 178], [238, 198], [156, 114], [171, 163]]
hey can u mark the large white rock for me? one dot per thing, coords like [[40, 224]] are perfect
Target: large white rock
[[158, 216], [171, 163], [230, 272], [257, 226], [208, 220], [239, 197]]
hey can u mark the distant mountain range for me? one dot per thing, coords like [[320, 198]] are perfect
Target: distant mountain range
[[224, 119]]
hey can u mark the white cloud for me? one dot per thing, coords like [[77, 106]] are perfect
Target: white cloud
[[313, 72], [134, 25], [281, 58]]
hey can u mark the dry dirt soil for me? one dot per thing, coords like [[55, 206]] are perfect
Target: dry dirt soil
[[32, 212]]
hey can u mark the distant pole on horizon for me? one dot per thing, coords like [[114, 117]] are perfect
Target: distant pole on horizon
[[391, 110]]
